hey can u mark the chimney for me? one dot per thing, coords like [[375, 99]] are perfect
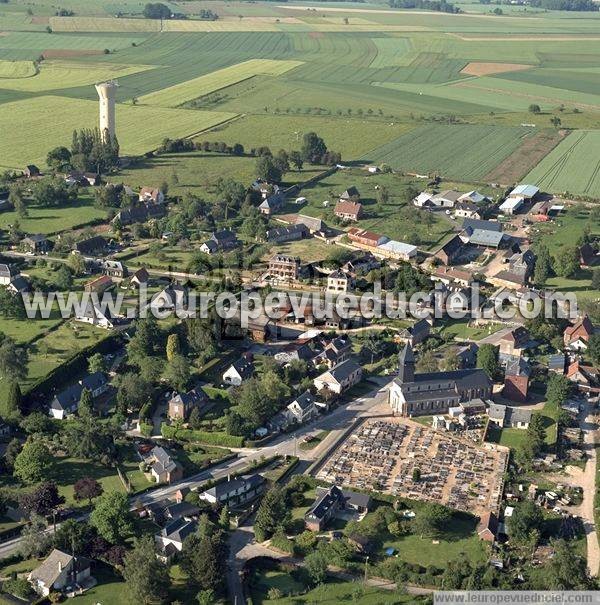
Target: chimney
[[60, 566]]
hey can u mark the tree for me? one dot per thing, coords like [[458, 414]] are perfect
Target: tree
[[74, 536], [558, 389], [87, 488], [12, 451], [32, 463], [267, 169], [536, 434], [224, 518], [416, 475], [316, 565], [525, 518], [34, 541], [42, 500], [596, 279], [594, 348], [96, 363], [534, 108], [63, 279], [203, 558], [145, 340], [271, 514], [86, 404], [173, 347], [427, 362], [313, 147], [543, 265], [58, 158], [566, 570], [555, 121], [431, 519], [177, 372], [52, 191], [296, 159], [566, 262], [111, 517], [487, 359], [76, 263], [13, 360], [146, 577], [133, 391], [13, 401]]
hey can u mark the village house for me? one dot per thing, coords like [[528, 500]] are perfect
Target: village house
[[413, 394], [347, 210], [182, 404], [287, 234], [515, 342], [239, 371], [139, 214], [451, 251], [366, 238], [361, 265], [588, 256], [99, 284], [473, 197], [508, 417], [35, 244], [114, 268], [350, 195], [485, 234], [96, 315], [152, 194], [333, 352], [520, 269], [585, 377], [487, 528], [340, 378], [91, 246], [170, 539], [467, 210], [446, 199], [303, 409], [338, 281], [141, 276], [220, 241], [453, 278], [284, 267], [315, 226], [173, 296], [577, 336], [19, 285], [332, 501], [31, 171], [272, 203], [163, 468], [298, 350], [234, 491], [7, 274], [58, 571], [83, 179], [516, 380], [557, 363], [415, 334], [67, 401], [397, 250]]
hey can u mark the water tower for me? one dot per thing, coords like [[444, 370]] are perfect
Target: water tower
[[107, 92]]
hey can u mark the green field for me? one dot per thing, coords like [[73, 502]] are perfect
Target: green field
[[15, 69], [18, 147], [434, 148], [573, 166], [179, 94]]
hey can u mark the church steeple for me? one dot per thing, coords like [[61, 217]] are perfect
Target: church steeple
[[406, 365]]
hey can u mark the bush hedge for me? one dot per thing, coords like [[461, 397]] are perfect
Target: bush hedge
[[171, 432]]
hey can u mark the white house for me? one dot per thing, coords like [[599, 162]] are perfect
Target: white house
[[423, 200], [339, 281], [152, 194], [340, 378], [58, 571], [238, 371], [234, 491], [171, 537], [67, 401], [303, 408], [94, 315]]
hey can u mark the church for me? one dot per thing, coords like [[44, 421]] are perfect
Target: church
[[429, 393]]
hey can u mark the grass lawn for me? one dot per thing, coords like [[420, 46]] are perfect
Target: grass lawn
[[20, 567], [110, 588], [24, 330], [513, 438], [309, 250], [193, 461], [461, 330], [309, 445], [331, 592], [56, 220], [298, 512], [460, 541]]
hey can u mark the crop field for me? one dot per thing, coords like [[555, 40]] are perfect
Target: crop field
[[435, 148], [16, 69], [573, 166], [179, 94], [69, 72], [140, 128]]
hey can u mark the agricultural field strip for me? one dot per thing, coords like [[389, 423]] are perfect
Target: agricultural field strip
[[16, 69], [59, 74], [203, 85], [433, 148], [141, 128], [573, 166]]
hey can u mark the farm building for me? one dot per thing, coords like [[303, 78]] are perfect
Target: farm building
[[511, 205], [424, 200], [348, 210], [467, 210], [397, 250], [450, 251], [446, 199], [473, 197], [366, 238], [527, 192]]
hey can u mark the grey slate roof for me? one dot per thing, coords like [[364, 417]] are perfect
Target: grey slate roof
[[471, 224]]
